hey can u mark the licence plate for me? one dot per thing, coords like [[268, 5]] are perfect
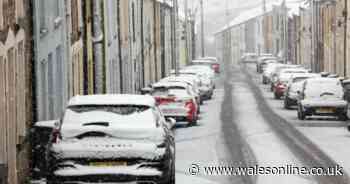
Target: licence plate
[[170, 111], [108, 164], [325, 110]]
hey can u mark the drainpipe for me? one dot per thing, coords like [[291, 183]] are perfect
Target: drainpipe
[[98, 46], [345, 14]]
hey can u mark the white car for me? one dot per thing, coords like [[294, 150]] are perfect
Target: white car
[[294, 85], [176, 101], [322, 97], [112, 139]]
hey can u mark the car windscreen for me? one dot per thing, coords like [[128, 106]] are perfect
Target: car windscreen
[[324, 89]]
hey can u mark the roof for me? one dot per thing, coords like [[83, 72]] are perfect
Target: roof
[[292, 5], [112, 99], [323, 79]]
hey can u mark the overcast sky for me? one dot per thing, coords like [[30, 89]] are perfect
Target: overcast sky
[[214, 14]]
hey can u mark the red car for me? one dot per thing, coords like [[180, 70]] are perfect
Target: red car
[[175, 101]]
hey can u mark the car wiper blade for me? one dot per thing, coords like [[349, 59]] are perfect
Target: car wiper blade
[[106, 124], [326, 93]]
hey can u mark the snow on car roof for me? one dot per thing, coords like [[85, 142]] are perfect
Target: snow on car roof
[[323, 80], [297, 75], [170, 84], [113, 99]]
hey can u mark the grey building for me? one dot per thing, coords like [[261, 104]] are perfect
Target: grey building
[[51, 57]]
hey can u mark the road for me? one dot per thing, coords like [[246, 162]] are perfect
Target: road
[[244, 126]]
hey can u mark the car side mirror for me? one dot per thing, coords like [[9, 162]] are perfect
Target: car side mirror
[[47, 124], [171, 122], [146, 91]]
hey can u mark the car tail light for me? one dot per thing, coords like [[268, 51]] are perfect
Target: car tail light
[[56, 135], [190, 105]]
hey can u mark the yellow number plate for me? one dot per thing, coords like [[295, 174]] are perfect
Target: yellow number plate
[[325, 110], [108, 164]]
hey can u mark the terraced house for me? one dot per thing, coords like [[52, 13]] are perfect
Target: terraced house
[[15, 89]]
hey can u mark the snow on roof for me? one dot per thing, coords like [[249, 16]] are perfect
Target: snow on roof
[[113, 99], [292, 5]]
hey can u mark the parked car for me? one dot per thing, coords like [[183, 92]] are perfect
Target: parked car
[[262, 61], [266, 76], [294, 85], [176, 101], [276, 72], [322, 97], [199, 79], [212, 62], [193, 86], [112, 138], [249, 58], [206, 85], [280, 86]]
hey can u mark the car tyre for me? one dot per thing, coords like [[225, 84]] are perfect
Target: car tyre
[[343, 117], [286, 103], [277, 96], [301, 114]]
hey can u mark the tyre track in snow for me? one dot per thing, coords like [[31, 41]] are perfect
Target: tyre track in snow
[[308, 152], [241, 153]]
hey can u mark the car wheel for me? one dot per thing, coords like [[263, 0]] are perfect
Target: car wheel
[[286, 103], [301, 114], [277, 96], [343, 117]]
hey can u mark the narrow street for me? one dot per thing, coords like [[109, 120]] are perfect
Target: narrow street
[[255, 136]]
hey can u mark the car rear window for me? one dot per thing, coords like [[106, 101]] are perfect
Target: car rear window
[[116, 109]]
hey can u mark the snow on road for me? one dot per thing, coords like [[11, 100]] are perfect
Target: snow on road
[[203, 145], [327, 133], [267, 147]]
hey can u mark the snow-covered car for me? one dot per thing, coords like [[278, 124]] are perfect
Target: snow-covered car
[[209, 61], [262, 61], [294, 85], [249, 58], [112, 139], [322, 97], [198, 79], [206, 85], [280, 85], [175, 100], [193, 85], [266, 75], [278, 70]]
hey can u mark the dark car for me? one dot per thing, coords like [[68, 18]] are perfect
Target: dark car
[[112, 138]]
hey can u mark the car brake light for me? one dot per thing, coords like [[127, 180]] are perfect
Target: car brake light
[[56, 135], [190, 104]]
